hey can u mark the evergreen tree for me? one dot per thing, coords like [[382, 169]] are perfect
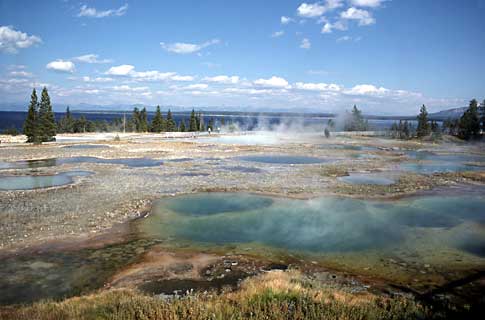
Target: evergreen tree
[[193, 122], [481, 112], [136, 120], [30, 124], [197, 121], [182, 127], [143, 122], [355, 121], [171, 125], [423, 124], [469, 125], [66, 124], [157, 122], [406, 130], [201, 122], [223, 121], [47, 122]]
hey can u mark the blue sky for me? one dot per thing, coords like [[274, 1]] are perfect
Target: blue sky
[[388, 57]]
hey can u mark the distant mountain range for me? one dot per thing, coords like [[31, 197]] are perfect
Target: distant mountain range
[[448, 114], [85, 107]]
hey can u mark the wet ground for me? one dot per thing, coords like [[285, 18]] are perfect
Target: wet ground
[[370, 215]]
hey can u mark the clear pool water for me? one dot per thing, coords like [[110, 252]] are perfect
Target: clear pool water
[[29, 182], [367, 178]]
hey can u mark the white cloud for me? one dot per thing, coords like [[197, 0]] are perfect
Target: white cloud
[[310, 10], [198, 86], [318, 72], [23, 74], [367, 3], [186, 48], [12, 40], [97, 79], [122, 70], [85, 11], [128, 70], [318, 86], [305, 44], [317, 9], [277, 34], [285, 20], [349, 38], [273, 82], [92, 91], [338, 25], [92, 58], [61, 66], [367, 89], [363, 17], [182, 78], [130, 89], [222, 79]]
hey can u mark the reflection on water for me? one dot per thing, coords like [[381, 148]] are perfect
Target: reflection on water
[[329, 224], [36, 182], [282, 159]]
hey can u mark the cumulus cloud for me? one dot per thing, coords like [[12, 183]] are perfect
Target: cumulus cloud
[[21, 73], [367, 3], [122, 70], [61, 66], [12, 40], [363, 17], [127, 88], [367, 89], [187, 48], [86, 11], [310, 10], [273, 82], [338, 25], [317, 9], [285, 20], [127, 70], [223, 79], [182, 78], [305, 43], [318, 86], [277, 34], [92, 58]]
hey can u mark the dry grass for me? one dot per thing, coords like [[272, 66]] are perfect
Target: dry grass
[[275, 295]]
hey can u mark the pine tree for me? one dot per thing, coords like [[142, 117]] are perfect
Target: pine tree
[[423, 124], [210, 125], [406, 130], [30, 124], [356, 121], [157, 122], [143, 122], [136, 119], [223, 121], [469, 125], [182, 126], [201, 122], [47, 122], [66, 124], [481, 112], [192, 122], [171, 125]]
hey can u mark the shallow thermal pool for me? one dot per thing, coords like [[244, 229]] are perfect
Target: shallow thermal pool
[[28, 182], [282, 159], [329, 224], [367, 178], [129, 162], [86, 146]]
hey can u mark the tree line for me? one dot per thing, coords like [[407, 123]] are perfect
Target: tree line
[[469, 126]]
